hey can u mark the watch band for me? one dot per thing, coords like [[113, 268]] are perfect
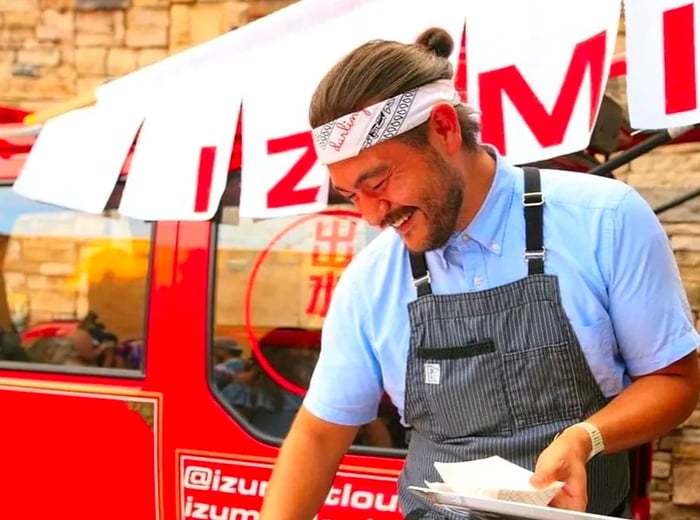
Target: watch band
[[597, 443]]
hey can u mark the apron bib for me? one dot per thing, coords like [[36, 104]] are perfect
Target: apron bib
[[498, 372]]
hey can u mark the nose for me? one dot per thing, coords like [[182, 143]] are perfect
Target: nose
[[374, 210]]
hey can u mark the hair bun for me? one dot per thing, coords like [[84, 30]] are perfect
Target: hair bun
[[438, 41]]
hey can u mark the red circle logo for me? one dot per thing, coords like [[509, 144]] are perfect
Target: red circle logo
[[334, 246]]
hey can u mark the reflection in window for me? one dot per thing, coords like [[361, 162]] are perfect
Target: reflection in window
[[274, 283], [72, 285]]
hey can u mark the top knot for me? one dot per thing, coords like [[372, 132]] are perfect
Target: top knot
[[438, 41]]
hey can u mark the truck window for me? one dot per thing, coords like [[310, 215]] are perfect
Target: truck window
[[274, 279], [73, 288]]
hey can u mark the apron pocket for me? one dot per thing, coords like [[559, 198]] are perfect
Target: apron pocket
[[541, 386], [459, 409], [471, 350]]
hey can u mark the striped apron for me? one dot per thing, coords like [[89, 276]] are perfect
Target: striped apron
[[498, 372]]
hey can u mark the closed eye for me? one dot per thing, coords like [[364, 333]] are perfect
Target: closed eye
[[351, 196], [379, 184], [382, 183]]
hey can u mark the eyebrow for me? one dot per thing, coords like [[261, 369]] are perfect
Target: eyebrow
[[375, 171]]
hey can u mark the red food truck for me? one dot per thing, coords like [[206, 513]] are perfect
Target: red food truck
[[149, 370]]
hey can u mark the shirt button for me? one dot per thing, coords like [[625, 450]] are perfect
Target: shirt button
[[465, 237], [495, 247], [477, 281]]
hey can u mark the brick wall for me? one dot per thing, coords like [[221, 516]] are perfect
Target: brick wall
[[52, 50], [661, 176], [66, 277]]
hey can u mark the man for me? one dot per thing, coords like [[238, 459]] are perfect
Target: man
[[93, 347], [227, 360], [538, 316]]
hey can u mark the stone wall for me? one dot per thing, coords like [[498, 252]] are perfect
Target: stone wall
[[48, 278], [661, 176], [53, 50]]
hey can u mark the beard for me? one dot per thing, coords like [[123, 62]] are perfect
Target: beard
[[441, 204]]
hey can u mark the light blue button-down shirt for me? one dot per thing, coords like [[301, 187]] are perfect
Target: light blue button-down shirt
[[618, 279]]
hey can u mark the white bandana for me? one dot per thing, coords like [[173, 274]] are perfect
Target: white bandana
[[348, 135]]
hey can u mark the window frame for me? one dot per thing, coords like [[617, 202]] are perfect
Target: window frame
[[97, 372], [231, 198]]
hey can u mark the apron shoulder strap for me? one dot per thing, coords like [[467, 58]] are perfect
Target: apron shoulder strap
[[420, 273], [533, 206]]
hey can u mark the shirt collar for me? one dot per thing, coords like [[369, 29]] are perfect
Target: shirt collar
[[489, 225]]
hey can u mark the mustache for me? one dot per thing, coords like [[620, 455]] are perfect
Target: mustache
[[395, 215]]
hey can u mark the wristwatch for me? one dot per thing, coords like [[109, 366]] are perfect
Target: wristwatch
[[597, 444]]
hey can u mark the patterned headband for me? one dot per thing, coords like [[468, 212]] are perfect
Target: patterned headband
[[348, 135]]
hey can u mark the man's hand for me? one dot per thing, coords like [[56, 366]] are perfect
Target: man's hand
[[565, 460]]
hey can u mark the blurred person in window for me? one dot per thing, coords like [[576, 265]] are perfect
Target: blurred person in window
[[54, 351], [96, 346], [10, 346], [129, 354], [228, 361], [292, 352], [238, 389], [272, 408], [93, 349], [233, 374], [376, 434], [5, 314]]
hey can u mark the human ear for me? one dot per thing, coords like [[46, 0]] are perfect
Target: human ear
[[444, 131]]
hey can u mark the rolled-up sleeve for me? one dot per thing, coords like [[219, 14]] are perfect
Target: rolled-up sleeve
[[648, 305], [346, 386]]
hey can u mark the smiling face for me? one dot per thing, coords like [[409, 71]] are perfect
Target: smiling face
[[394, 184], [414, 189]]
